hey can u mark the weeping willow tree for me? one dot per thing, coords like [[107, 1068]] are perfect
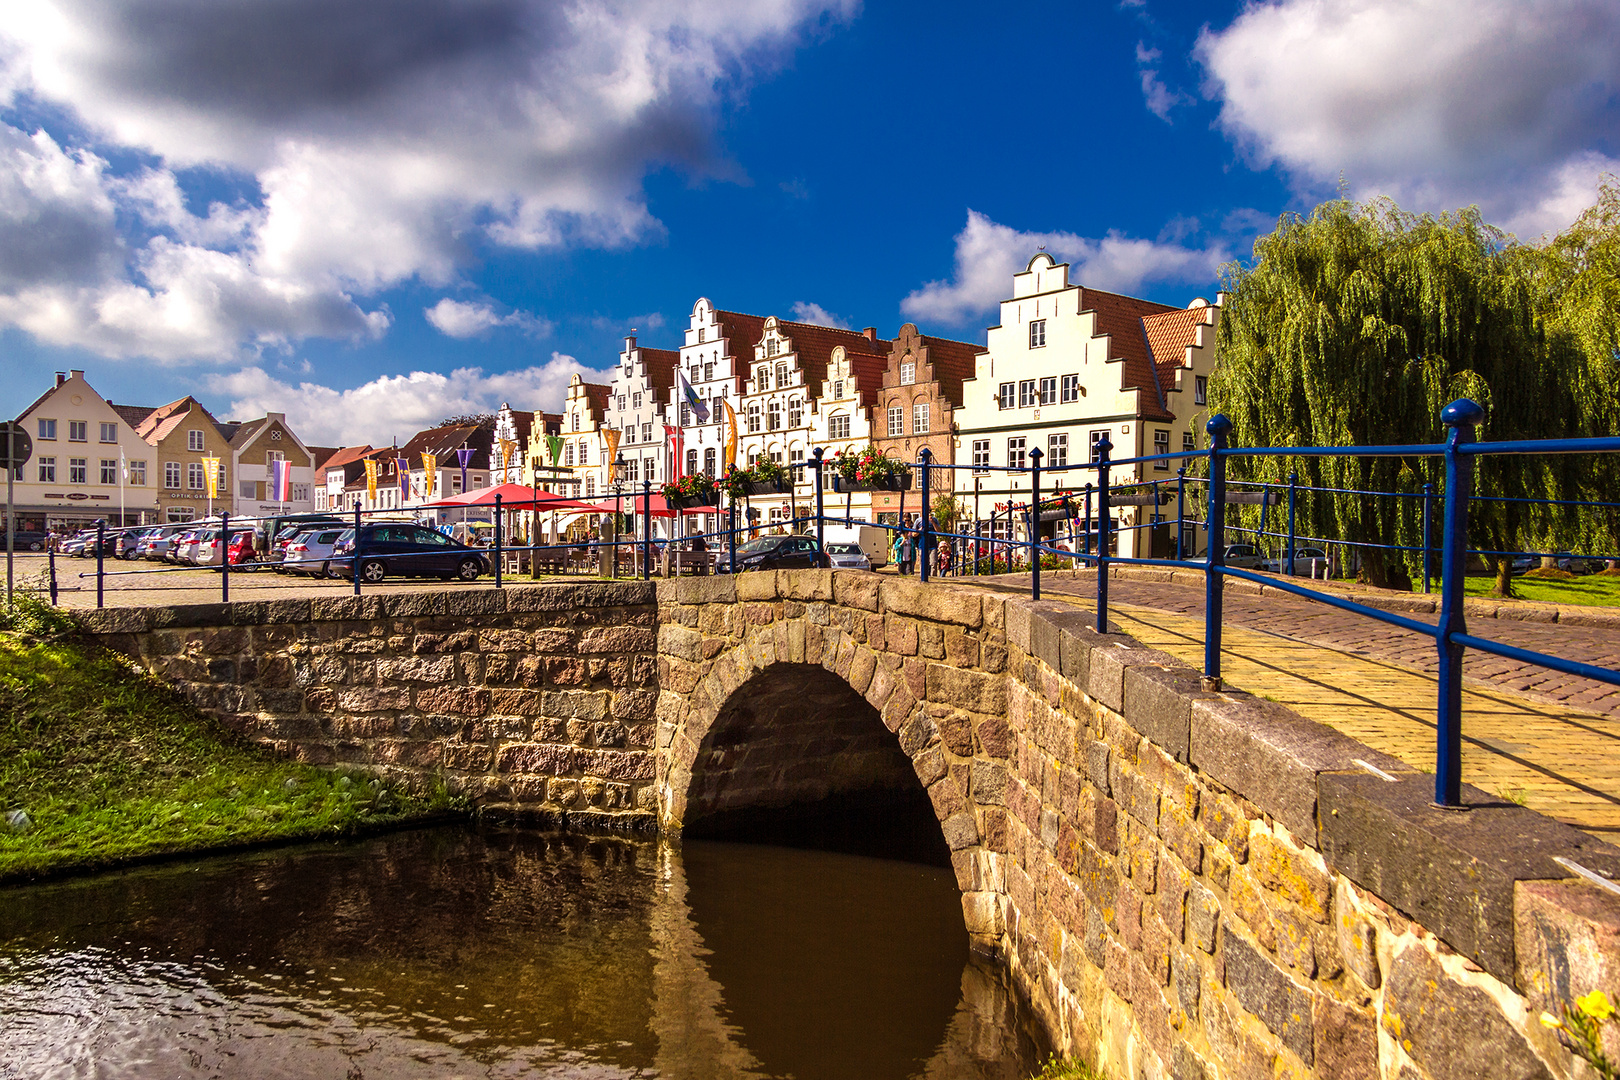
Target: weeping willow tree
[[1356, 325]]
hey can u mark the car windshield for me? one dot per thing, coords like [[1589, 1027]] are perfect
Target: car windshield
[[843, 549], [764, 543]]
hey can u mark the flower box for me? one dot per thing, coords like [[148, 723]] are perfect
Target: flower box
[[892, 482], [690, 502], [766, 487]]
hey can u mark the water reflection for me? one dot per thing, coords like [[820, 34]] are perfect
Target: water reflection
[[448, 953]]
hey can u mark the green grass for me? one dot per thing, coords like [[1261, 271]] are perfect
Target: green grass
[[1592, 590], [1057, 1068], [112, 767]]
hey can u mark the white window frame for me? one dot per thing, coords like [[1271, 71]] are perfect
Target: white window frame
[[1017, 452], [897, 420], [195, 440], [908, 373], [838, 426], [1200, 389], [137, 473], [173, 475], [1049, 392], [47, 470], [981, 455], [1161, 445], [1057, 450], [919, 418], [1070, 389], [1007, 395], [47, 430], [109, 432], [1027, 394], [1037, 334], [78, 470], [109, 469], [78, 431]]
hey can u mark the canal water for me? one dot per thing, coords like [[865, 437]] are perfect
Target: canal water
[[452, 953]]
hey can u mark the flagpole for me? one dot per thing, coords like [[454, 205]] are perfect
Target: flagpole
[[123, 471]]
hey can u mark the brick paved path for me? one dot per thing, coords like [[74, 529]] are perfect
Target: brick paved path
[[1549, 741]]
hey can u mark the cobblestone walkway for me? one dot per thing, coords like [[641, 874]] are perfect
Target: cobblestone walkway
[[1557, 751]]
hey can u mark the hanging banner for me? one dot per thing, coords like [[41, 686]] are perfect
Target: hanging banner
[[430, 473], [507, 448], [371, 479], [699, 408], [464, 454], [610, 447], [211, 476], [731, 437], [673, 438], [280, 481], [402, 467], [554, 445]]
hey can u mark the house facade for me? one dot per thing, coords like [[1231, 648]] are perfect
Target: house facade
[[916, 409], [1065, 367], [714, 354], [185, 439], [89, 463], [255, 445], [842, 421], [639, 408]]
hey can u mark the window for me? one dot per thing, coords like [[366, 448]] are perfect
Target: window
[[137, 473], [838, 389], [708, 372], [47, 470], [1026, 394], [691, 463], [897, 420], [568, 455], [1015, 452], [573, 421], [47, 429], [274, 455], [1161, 445], [78, 470], [109, 470], [584, 452], [795, 412], [781, 376], [762, 379], [908, 373], [686, 415], [621, 402], [1006, 396], [248, 489], [1200, 390], [1071, 388], [1049, 391], [774, 415], [632, 470], [196, 479], [919, 418], [981, 455], [1097, 437], [1037, 333], [701, 332], [590, 487], [1057, 451], [753, 419], [796, 456], [646, 433], [194, 440], [838, 426], [300, 493], [652, 469], [180, 513], [109, 432], [770, 346], [710, 462], [635, 400], [171, 474], [275, 435], [1187, 441]]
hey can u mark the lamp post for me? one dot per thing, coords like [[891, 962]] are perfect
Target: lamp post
[[618, 489]]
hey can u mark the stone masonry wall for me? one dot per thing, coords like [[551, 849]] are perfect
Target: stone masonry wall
[[537, 701]]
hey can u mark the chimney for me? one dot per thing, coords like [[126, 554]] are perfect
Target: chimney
[[870, 333], [61, 377], [76, 374]]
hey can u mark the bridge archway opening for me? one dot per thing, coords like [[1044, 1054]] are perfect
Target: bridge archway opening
[[795, 757]]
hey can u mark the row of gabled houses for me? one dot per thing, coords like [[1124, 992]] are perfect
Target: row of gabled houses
[[1064, 367]]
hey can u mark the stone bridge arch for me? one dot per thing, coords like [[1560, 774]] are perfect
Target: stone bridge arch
[[790, 687]]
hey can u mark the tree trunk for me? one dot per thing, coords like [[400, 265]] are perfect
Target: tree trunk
[[1504, 577], [1549, 563], [1383, 573]]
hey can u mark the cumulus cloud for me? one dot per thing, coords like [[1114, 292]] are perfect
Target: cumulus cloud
[[469, 319], [1160, 99], [376, 143], [817, 315], [1510, 104], [396, 406], [988, 254]]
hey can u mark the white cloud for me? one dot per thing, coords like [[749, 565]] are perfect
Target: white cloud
[[1510, 104], [1160, 99], [396, 405], [988, 254], [376, 144], [817, 315], [468, 319]]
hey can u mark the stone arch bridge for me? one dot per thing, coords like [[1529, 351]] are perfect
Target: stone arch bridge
[[1180, 883]]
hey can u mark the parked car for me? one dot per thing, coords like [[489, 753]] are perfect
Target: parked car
[[184, 547], [311, 552], [792, 551], [24, 541], [847, 555], [396, 549], [1243, 557], [1305, 559], [75, 544], [245, 548], [1577, 564], [209, 548], [157, 543]]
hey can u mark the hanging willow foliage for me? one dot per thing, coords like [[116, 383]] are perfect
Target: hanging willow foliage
[[1356, 325]]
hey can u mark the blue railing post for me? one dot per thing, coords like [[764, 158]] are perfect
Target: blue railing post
[[1035, 523], [1181, 512], [1105, 523], [1293, 491], [50, 558], [923, 457], [1214, 581], [1086, 543], [225, 557], [646, 531], [101, 555], [354, 550], [821, 524], [498, 538], [1462, 417], [1428, 543]]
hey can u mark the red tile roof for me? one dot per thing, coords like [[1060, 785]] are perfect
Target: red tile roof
[[1121, 318], [165, 418], [661, 365], [814, 345], [1168, 336], [344, 455], [742, 333], [597, 396]]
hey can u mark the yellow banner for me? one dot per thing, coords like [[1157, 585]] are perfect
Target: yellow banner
[[507, 448], [610, 448], [211, 476], [731, 436], [371, 479], [430, 471]]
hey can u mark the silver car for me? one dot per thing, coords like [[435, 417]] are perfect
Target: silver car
[[311, 552], [847, 555]]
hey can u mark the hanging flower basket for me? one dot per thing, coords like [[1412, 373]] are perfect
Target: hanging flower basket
[[764, 477], [678, 502], [766, 487], [869, 470], [892, 482], [692, 491]]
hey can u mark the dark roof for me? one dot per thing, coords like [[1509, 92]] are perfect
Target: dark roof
[[868, 371], [522, 424], [343, 455], [951, 361], [661, 365], [597, 396], [443, 442], [133, 415], [742, 333], [321, 454]]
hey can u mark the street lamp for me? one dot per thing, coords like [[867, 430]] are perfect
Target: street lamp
[[618, 489]]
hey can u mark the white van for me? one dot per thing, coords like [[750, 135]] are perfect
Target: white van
[[873, 541]]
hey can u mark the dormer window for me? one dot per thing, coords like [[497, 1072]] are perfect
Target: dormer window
[[838, 389], [770, 346]]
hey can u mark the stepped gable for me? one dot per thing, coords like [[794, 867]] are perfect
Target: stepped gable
[[661, 365], [868, 371], [597, 395], [953, 362], [814, 345], [1169, 336], [1121, 318], [742, 333]]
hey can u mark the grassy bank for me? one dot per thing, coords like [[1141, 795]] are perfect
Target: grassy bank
[[110, 766], [1592, 590]]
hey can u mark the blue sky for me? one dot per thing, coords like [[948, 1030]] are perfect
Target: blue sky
[[370, 215]]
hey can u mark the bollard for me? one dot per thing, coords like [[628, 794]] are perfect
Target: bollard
[[101, 555], [225, 557], [1462, 417], [1214, 581], [1104, 523], [50, 557]]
